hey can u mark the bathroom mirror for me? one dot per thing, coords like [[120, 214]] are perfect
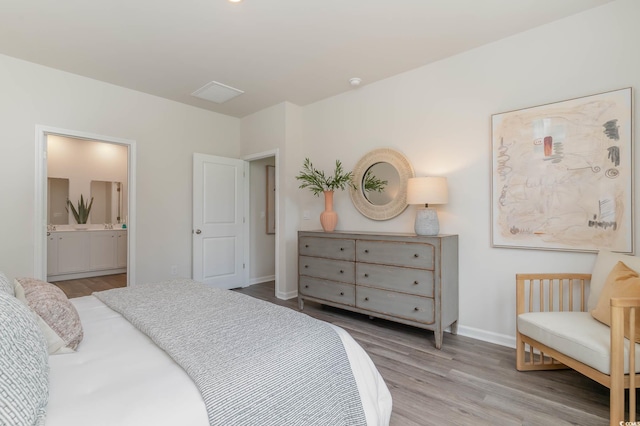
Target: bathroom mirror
[[385, 164], [57, 193], [107, 202]]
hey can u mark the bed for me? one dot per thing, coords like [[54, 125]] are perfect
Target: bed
[[120, 375]]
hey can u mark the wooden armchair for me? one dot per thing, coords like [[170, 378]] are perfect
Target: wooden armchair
[[553, 304]]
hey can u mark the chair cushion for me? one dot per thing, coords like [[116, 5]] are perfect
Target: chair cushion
[[575, 334], [605, 262], [622, 282]]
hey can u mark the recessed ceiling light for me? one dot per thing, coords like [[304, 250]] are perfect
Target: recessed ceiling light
[[355, 81], [235, 1]]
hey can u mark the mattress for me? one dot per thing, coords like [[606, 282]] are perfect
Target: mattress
[[118, 376]]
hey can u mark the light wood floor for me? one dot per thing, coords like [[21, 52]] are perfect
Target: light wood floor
[[468, 382], [86, 286]]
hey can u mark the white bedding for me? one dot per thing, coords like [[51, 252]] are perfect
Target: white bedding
[[118, 376]]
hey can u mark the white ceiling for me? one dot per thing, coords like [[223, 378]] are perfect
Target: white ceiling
[[274, 50]]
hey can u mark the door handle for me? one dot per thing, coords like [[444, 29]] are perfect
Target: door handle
[[198, 231]]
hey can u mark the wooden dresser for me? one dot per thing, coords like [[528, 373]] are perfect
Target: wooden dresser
[[399, 277]]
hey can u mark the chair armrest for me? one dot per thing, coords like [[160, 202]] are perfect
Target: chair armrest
[[551, 292]]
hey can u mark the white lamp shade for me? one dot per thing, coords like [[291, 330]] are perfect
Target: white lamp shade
[[427, 190]]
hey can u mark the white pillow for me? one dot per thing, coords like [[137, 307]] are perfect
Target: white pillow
[[24, 365], [605, 262], [6, 285]]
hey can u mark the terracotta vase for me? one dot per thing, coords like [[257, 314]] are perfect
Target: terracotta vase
[[328, 218]]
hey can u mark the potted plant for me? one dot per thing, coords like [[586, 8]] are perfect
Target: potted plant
[[81, 214], [318, 182]]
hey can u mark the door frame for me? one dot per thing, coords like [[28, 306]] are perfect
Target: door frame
[[40, 219], [259, 156]]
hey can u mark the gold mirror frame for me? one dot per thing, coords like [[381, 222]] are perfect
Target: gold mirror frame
[[395, 206]]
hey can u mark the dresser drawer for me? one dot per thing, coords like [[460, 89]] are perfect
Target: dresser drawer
[[328, 290], [413, 255], [328, 269], [332, 248], [414, 308], [405, 280]]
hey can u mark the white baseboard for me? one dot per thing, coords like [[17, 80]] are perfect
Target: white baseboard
[[88, 274], [487, 336], [288, 295], [259, 280]]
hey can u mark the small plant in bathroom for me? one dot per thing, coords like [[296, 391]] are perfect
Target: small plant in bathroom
[[81, 214]]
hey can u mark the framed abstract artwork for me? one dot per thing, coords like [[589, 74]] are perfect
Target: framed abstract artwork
[[562, 175]]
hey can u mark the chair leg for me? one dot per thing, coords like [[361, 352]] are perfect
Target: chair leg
[[520, 355]]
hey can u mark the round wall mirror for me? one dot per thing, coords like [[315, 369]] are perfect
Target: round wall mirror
[[381, 179]]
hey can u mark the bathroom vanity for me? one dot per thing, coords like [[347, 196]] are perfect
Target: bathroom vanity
[[75, 254]]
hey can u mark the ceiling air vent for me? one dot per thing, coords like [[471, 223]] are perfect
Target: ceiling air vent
[[216, 92]]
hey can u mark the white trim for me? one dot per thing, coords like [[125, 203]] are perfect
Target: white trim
[[40, 231], [260, 280], [287, 296], [267, 154], [78, 275], [246, 228], [488, 336]]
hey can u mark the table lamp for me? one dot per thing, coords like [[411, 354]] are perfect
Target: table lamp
[[427, 190]]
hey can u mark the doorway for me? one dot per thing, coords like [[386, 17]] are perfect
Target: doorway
[[234, 227], [263, 218], [42, 219]]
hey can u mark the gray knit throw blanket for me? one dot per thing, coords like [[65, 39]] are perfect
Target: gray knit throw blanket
[[254, 362]]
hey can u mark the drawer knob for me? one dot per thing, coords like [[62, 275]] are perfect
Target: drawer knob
[[416, 255], [416, 283], [342, 293], [341, 271], [341, 248], [306, 286], [366, 299], [366, 251], [306, 245], [366, 275], [416, 309], [306, 266]]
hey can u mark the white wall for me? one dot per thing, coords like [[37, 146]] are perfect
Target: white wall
[[166, 134], [263, 256], [439, 117], [280, 128]]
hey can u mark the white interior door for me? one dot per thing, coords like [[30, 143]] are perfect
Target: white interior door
[[219, 231]]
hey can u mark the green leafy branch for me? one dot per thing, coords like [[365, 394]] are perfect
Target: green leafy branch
[[372, 183], [317, 182]]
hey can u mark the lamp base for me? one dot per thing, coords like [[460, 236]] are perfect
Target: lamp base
[[427, 222]]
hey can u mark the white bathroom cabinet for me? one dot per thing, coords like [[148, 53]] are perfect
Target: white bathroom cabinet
[[80, 254]]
